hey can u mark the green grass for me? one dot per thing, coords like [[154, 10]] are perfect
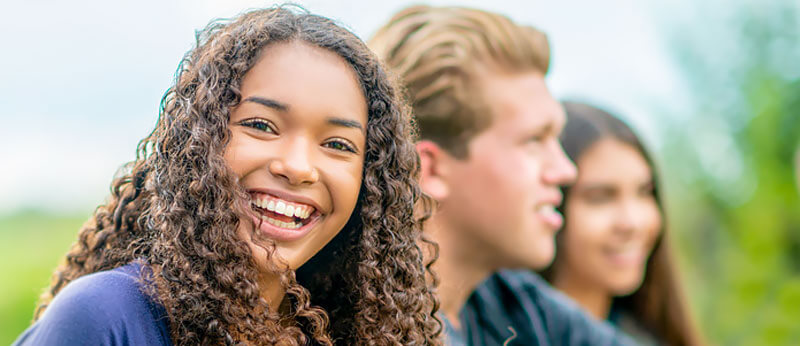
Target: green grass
[[31, 245]]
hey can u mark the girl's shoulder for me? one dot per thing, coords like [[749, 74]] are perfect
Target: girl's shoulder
[[108, 307]]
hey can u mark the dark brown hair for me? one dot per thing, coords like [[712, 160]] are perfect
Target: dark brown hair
[[436, 52], [658, 303], [177, 207]]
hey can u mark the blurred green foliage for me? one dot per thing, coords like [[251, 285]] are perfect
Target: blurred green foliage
[[32, 244], [730, 170]]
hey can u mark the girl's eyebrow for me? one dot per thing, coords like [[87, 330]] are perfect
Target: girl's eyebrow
[[346, 123], [595, 187], [282, 107], [268, 103]]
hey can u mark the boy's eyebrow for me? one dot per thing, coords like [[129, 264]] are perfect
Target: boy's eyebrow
[[268, 103], [345, 123]]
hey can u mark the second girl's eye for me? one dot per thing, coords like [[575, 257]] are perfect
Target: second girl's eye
[[341, 145], [647, 190], [259, 124], [599, 195]]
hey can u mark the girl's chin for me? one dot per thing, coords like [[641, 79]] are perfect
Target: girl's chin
[[624, 286]]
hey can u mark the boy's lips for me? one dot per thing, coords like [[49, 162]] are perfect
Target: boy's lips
[[550, 216], [547, 212]]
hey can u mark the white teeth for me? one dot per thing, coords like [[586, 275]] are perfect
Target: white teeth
[[547, 209], [281, 224], [268, 220], [280, 207], [285, 208]]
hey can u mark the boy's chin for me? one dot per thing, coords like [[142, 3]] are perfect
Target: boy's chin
[[541, 258]]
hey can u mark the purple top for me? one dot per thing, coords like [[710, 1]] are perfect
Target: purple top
[[103, 308]]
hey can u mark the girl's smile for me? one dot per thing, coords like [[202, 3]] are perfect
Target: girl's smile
[[284, 218]]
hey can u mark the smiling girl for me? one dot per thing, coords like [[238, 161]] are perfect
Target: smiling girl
[[613, 256], [272, 204]]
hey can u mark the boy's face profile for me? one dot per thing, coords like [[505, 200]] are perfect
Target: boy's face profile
[[502, 196]]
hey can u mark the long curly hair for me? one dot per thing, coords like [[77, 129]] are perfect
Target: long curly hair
[[176, 207]]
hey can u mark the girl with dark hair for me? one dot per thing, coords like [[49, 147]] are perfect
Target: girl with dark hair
[[613, 255], [272, 204]]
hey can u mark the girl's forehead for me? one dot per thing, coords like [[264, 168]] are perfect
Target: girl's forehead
[[299, 75]]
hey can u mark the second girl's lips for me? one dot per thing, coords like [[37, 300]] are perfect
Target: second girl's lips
[[626, 256]]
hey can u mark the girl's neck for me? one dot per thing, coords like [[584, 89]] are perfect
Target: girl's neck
[[595, 301], [272, 291]]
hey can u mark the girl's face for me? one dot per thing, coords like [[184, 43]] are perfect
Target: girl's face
[[297, 145], [612, 219]]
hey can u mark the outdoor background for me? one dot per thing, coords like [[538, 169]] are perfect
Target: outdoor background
[[713, 86]]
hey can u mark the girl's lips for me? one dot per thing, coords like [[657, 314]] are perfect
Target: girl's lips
[[626, 258], [285, 234], [289, 197], [283, 216]]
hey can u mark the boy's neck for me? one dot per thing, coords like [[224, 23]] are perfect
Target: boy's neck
[[459, 270]]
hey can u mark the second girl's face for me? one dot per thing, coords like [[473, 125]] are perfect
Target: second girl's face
[[297, 145], [612, 218]]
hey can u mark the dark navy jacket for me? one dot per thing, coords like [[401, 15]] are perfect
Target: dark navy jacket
[[521, 308]]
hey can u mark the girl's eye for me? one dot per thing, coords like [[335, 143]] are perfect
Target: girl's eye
[[598, 199], [340, 145], [647, 191], [599, 196], [258, 124]]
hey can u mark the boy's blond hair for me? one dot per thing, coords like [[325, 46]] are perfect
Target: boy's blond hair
[[438, 53]]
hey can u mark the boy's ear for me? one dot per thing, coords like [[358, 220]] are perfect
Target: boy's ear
[[434, 170]]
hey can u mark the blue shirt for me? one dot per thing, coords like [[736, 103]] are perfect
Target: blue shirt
[[520, 308], [103, 308]]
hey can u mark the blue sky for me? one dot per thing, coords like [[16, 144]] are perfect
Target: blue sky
[[80, 81]]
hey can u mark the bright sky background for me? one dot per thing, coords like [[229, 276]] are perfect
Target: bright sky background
[[81, 81]]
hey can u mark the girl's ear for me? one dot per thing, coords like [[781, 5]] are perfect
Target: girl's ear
[[434, 175]]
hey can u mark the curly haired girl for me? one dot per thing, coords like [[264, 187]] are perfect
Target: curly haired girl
[[273, 203]]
